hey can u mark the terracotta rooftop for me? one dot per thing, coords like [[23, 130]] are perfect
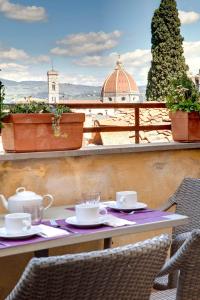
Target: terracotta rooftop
[[125, 118]]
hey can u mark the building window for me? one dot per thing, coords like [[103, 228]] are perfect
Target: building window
[[53, 86], [123, 98], [110, 99]]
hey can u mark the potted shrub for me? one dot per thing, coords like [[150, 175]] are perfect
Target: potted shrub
[[36, 126], [184, 105]]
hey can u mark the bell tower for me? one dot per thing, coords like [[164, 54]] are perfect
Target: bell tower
[[53, 86]]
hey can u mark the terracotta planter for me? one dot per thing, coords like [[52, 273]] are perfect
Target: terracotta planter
[[34, 132], [185, 126]]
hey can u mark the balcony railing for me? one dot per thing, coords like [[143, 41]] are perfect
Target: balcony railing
[[136, 106], [137, 127]]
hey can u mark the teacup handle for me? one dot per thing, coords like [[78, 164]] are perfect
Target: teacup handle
[[104, 210], [27, 225], [50, 199]]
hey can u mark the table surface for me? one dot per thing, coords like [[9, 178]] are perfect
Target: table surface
[[62, 213]]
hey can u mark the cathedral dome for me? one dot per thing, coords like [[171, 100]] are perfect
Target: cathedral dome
[[119, 82]]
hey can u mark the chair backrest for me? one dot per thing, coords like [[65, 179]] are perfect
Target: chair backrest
[[121, 273], [187, 200]]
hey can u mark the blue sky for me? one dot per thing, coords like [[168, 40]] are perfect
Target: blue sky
[[83, 38]]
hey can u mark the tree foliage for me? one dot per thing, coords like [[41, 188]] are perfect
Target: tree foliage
[[168, 60]]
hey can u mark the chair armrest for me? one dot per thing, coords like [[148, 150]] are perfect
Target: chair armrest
[[181, 255], [165, 206]]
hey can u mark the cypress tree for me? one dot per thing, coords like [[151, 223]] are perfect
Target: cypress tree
[[168, 60]]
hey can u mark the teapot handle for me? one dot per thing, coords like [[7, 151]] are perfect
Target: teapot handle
[[50, 199], [20, 189]]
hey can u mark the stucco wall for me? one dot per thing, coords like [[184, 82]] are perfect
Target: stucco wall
[[154, 175]]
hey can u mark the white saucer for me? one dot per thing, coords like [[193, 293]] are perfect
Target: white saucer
[[21, 235], [73, 221], [138, 205]]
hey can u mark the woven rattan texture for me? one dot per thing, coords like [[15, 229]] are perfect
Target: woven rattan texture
[[187, 201], [164, 295], [187, 261], [122, 273]]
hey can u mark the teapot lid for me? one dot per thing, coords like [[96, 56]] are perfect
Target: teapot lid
[[22, 194]]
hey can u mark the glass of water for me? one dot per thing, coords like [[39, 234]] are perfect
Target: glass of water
[[91, 197], [36, 212]]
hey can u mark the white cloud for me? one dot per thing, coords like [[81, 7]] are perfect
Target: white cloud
[[21, 12], [97, 60], [191, 50], [18, 72], [188, 17], [13, 71], [19, 65], [137, 62], [86, 43], [133, 59], [13, 54]]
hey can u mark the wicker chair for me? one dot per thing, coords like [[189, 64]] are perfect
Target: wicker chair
[[186, 199], [187, 261], [122, 273]]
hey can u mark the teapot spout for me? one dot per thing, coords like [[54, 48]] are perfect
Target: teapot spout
[[4, 201]]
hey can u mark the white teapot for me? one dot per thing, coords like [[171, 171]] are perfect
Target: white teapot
[[23, 198]]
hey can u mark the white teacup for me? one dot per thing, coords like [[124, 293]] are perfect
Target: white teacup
[[17, 223], [88, 213], [126, 199]]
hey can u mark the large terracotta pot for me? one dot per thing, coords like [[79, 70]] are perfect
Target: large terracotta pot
[[185, 126], [34, 132]]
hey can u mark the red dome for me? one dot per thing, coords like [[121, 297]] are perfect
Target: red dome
[[119, 82]]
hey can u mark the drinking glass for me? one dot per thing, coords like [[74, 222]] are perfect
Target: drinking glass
[[36, 212], [91, 198]]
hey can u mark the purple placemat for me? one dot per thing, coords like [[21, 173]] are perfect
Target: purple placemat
[[141, 217]]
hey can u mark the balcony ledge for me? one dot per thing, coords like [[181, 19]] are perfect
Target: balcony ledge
[[99, 150]]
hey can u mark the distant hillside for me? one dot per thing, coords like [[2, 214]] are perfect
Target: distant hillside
[[38, 89]]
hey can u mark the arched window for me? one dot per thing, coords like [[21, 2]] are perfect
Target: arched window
[[123, 98], [110, 99]]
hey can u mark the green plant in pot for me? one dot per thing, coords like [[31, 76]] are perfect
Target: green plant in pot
[[38, 126], [183, 101]]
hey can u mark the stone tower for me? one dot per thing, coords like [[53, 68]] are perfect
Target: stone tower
[[53, 86]]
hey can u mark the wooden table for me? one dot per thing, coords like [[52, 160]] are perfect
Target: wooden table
[[41, 248]]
